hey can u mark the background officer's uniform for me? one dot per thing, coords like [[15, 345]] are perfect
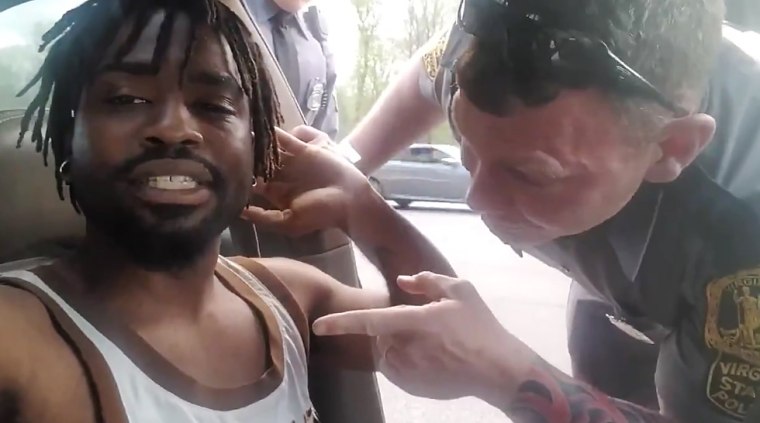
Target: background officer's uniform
[[299, 42], [680, 263]]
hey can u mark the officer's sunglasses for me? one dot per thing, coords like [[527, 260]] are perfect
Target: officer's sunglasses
[[535, 47]]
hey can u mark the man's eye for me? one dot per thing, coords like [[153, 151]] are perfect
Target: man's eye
[[124, 100], [216, 108]]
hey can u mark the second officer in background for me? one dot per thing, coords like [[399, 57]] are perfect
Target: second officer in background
[[297, 34]]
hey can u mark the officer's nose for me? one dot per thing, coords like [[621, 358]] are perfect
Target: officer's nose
[[174, 124]]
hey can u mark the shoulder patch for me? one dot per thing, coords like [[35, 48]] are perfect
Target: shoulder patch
[[732, 333], [431, 59]]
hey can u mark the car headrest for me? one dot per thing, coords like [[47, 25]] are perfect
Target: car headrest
[[33, 217], [32, 213]]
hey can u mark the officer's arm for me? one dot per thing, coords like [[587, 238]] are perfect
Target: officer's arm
[[400, 116], [547, 395]]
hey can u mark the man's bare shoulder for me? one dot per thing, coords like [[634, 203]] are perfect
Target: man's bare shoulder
[[23, 321], [293, 272], [22, 327], [20, 311], [315, 291], [40, 377], [27, 334], [289, 279]]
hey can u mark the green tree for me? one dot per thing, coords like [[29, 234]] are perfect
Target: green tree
[[379, 56], [424, 20], [371, 70]]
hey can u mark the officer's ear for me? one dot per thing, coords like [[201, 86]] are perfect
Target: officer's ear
[[681, 141]]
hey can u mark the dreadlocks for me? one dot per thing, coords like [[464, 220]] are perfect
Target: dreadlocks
[[76, 45]]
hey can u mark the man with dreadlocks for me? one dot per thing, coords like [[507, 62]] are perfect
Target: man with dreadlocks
[[161, 115]]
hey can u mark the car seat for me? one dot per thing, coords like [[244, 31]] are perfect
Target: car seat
[[35, 222]]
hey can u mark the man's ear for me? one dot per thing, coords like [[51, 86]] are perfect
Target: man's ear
[[681, 141]]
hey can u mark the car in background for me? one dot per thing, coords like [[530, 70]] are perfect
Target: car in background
[[423, 172]]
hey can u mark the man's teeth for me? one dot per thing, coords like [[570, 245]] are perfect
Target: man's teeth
[[176, 182]]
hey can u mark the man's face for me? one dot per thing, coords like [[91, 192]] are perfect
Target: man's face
[[162, 162], [546, 172]]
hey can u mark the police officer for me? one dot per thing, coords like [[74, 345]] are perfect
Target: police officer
[[582, 134], [626, 366], [297, 35]]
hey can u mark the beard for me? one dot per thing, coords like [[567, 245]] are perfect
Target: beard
[[153, 247], [155, 237]]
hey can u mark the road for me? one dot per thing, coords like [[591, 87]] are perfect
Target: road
[[527, 297]]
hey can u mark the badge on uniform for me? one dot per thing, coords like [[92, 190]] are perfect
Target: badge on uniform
[[314, 102], [732, 333], [629, 330]]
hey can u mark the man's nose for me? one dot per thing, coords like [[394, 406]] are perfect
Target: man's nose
[[174, 124]]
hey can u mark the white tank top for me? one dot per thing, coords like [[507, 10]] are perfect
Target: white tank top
[[126, 394]]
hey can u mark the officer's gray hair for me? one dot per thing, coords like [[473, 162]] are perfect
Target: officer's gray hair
[[671, 43]]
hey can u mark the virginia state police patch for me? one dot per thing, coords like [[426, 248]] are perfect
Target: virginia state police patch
[[732, 332], [431, 59]]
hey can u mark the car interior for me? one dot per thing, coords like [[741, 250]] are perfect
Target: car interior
[[36, 223]]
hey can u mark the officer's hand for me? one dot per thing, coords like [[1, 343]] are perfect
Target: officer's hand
[[313, 190], [450, 348]]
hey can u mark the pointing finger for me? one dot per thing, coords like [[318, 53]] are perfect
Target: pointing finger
[[433, 286], [428, 284], [376, 322]]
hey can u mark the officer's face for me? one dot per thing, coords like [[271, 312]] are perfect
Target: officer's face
[[550, 171], [162, 161]]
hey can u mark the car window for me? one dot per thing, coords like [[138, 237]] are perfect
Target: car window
[[21, 30], [422, 154], [450, 151], [404, 156]]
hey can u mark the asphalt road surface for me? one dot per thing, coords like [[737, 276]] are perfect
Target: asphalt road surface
[[527, 297]]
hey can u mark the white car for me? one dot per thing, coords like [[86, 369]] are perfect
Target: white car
[[423, 172]]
